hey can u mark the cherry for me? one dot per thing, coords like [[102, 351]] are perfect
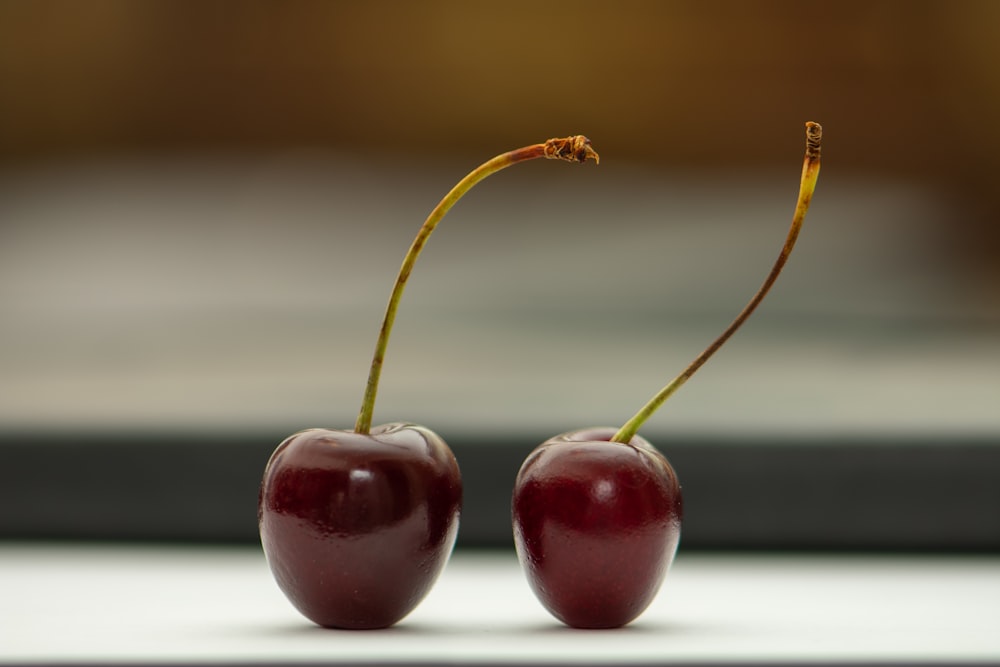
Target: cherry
[[597, 512], [357, 525], [596, 525]]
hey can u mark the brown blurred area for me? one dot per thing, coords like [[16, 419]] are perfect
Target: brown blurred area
[[907, 88], [910, 87]]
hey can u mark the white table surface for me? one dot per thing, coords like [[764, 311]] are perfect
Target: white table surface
[[100, 604]]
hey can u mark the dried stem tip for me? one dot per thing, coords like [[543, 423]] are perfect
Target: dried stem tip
[[814, 136], [572, 149]]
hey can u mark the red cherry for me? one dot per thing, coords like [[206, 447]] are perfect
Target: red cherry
[[597, 512], [357, 525], [357, 528], [596, 525]]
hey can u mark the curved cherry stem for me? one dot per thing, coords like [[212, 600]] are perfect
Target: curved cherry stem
[[572, 149], [810, 173]]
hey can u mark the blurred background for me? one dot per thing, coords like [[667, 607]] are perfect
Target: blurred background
[[203, 207]]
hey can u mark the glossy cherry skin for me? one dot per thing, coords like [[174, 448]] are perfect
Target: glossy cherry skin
[[596, 526], [357, 528]]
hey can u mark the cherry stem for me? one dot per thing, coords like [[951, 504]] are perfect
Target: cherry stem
[[572, 149], [810, 173]]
